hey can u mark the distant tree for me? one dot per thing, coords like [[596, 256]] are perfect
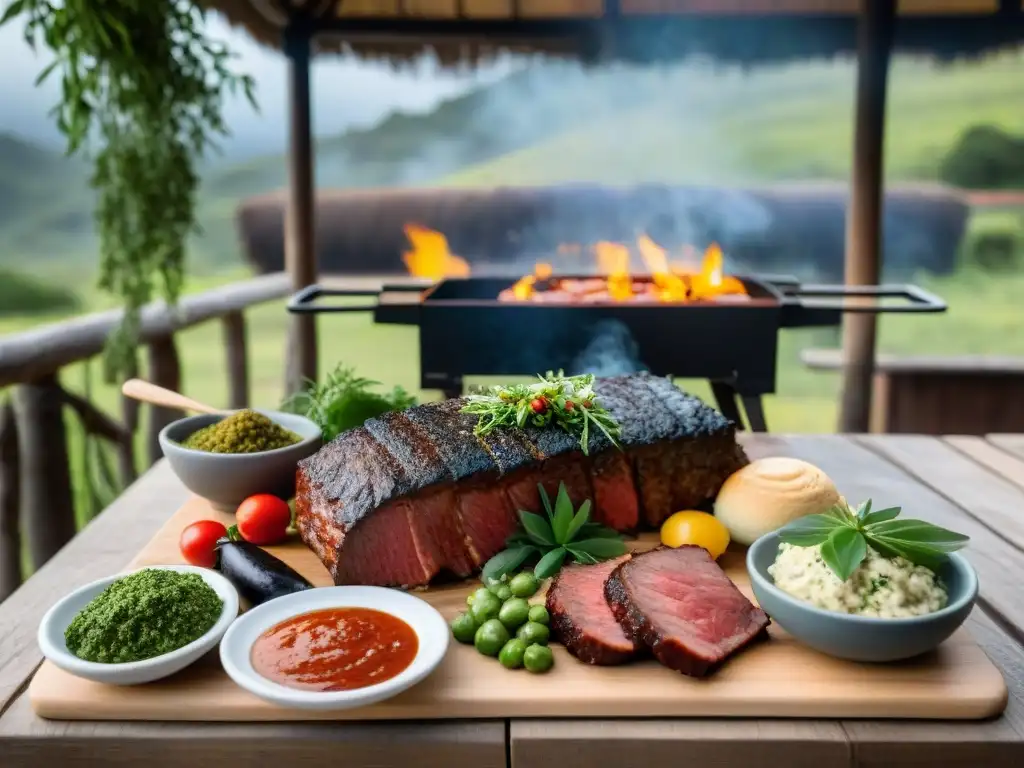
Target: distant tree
[[142, 90], [985, 158]]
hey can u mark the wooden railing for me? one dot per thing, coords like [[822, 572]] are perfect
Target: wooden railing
[[37, 510]]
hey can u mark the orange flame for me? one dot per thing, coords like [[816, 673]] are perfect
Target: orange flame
[[430, 257], [694, 277]]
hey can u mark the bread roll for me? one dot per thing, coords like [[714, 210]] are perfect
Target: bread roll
[[768, 493]]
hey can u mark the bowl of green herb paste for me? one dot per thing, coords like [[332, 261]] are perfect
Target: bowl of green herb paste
[[140, 626], [226, 459]]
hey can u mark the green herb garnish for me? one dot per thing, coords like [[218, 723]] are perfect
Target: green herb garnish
[[566, 401], [344, 401], [844, 536], [561, 533]]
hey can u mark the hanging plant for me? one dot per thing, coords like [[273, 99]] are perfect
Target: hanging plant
[[142, 91]]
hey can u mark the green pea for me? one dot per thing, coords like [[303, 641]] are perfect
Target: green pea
[[538, 659], [491, 637], [524, 585], [502, 592], [464, 627], [514, 613], [485, 606], [511, 656], [474, 595], [534, 632], [539, 614]]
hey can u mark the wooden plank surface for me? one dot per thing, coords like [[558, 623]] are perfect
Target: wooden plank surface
[[1011, 443], [781, 678], [859, 472], [1007, 465], [884, 744]]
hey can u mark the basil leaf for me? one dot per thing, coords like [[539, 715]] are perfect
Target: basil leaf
[[550, 563], [546, 501], [843, 551], [597, 531], [919, 532], [578, 521], [918, 554], [506, 562], [537, 528], [603, 549], [563, 514], [808, 531], [864, 510], [581, 557], [518, 538], [879, 516]]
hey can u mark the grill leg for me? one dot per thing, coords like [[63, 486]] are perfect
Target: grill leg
[[754, 407], [725, 396]]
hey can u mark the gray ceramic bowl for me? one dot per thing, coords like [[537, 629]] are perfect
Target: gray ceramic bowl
[[227, 479], [862, 638]]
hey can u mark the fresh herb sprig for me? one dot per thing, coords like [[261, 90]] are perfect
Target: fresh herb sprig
[[845, 534], [560, 534], [344, 401], [569, 402]]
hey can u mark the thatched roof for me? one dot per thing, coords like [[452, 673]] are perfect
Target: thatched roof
[[466, 31]]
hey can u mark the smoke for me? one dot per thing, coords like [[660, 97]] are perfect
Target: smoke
[[611, 351]]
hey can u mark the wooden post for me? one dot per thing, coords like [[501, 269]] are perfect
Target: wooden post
[[864, 214], [237, 359], [10, 492], [130, 420], [165, 371], [300, 225], [47, 505]]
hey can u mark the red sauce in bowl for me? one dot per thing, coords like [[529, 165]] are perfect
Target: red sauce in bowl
[[338, 649]]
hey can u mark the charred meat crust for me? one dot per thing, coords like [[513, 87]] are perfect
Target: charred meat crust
[[669, 651], [683, 449]]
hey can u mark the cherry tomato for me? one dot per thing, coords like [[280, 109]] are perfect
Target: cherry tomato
[[198, 542], [263, 519], [538, 405]]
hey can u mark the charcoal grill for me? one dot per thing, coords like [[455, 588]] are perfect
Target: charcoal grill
[[466, 331]]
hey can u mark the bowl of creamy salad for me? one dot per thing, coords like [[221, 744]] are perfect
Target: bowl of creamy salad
[[889, 609]]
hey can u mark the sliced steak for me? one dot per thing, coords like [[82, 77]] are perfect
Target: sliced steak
[[581, 619], [680, 604], [615, 501]]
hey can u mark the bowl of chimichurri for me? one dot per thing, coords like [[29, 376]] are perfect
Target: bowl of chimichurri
[[227, 458]]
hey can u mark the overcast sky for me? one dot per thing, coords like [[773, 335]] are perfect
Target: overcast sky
[[345, 92]]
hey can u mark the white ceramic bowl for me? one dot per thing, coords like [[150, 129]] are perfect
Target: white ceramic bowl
[[430, 627], [57, 619]]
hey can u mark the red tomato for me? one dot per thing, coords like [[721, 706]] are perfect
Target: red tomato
[[198, 542], [263, 519]]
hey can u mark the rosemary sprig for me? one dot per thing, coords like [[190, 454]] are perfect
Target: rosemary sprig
[[845, 534], [569, 402]]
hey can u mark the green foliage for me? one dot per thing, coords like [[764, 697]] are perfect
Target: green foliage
[[995, 241], [142, 89], [985, 157], [344, 401], [24, 295]]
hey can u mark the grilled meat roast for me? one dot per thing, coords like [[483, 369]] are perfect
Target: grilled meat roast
[[681, 605], [415, 493], [581, 618]]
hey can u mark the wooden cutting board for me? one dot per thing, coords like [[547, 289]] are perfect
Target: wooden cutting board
[[778, 678]]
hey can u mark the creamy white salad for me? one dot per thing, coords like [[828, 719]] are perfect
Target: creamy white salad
[[882, 587]]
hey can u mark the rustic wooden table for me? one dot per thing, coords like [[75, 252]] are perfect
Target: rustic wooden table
[[974, 485]]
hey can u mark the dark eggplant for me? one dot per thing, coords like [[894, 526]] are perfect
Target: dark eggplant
[[255, 573]]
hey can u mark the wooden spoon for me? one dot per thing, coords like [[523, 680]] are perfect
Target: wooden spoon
[[145, 392]]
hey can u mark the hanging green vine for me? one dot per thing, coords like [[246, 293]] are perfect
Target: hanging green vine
[[142, 91]]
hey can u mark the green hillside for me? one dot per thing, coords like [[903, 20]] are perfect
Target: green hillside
[[558, 123], [775, 125]]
